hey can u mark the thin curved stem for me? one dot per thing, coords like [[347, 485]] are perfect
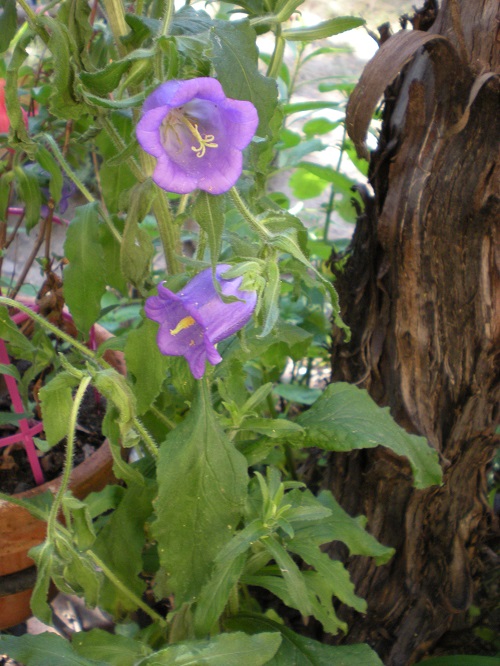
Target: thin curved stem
[[258, 227], [68, 463]]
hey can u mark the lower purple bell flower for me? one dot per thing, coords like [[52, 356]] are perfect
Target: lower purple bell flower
[[196, 134], [195, 319]]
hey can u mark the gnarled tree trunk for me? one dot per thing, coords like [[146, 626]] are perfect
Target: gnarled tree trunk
[[421, 293]]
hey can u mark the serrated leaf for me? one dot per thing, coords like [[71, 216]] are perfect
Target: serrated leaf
[[202, 483], [346, 418], [222, 650], [47, 649], [114, 650], [209, 213], [301, 651], [84, 283], [235, 59], [147, 365], [57, 403]]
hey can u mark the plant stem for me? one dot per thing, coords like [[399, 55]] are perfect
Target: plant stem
[[10, 303], [116, 18], [125, 590], [167, 17], [161, 417], [68, 463], [277, 57], [120, 146], [151, 445], [257, 226]]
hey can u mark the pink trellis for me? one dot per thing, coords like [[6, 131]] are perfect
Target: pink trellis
[[28, 428]]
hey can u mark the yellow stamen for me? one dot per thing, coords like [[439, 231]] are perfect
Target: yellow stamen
[[204, 142], [184, 323]]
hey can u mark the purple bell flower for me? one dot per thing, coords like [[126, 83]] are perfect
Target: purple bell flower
[[195, 319], [196, 134]]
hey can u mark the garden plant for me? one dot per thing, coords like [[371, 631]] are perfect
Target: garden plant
[[165, 131]]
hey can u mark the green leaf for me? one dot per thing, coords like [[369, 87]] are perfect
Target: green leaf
[[332, 573], [346, 418], [48, 162], [147, 365], [29, 190], [202, 483], [270, 300], [47, 649], [10, 370], [8, 23], [84, 283], [115, 389], [324, 29], [294, 580], [215, 594], [319, 126], [302, 651], [45, 560], [274, 428], [126, 526], [209, 213], [113, 649], [137, 249], [235, 59], [222, 650], [63, 102], [57, 403], [296, 393]]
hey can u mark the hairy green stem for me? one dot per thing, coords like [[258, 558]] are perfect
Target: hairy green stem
[[168, 14], [120, 146], [32, 17], [113, 578], [68, 463], [161, 417], [10, 303], [151, 445], [258, 227], [116, 17]]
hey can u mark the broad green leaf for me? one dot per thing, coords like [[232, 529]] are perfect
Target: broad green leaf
[[47, 649], [274, 428], [223, 650], [235, 59], [115, 389], [215, 594], [8, 23], [29, 190], [57, 403], [209, 213], [126, 526], [146, 364], [301, 651], [202, 483], [296, 393], [84, 283], [270, 298], [113, 649], [319, 126], [346, 418], [81, 521]]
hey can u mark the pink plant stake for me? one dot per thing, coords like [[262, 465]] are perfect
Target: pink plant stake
[[27, 428]]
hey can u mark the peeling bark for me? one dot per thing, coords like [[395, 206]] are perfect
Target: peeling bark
[[421, 293]]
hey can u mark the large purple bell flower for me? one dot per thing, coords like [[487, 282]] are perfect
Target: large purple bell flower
[[196, 318], [196, 134]]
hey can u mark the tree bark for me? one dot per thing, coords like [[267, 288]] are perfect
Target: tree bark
[[421, 293]]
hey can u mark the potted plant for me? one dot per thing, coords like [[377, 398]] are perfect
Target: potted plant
[[164, 109]]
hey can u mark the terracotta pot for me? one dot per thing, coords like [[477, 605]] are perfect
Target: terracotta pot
[[19, 531]]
